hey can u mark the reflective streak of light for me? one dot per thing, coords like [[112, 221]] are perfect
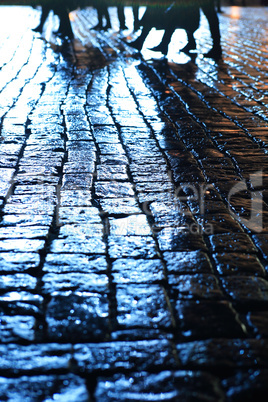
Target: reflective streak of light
[[235, 12], [178, 41], [14, 19], [72, 16]]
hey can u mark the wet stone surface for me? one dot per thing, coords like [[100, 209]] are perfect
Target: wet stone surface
[[21, 303], [78, 315], [231, 243], [18, 262], [246, 289], [74, 281], [16, 329], [132, 225], [172, 239], [113, 189], [238, 264], [190, 262], [168, 385], [223, 354], [75, 263], [24, 220], [258, 321], [142, 306], [132, 246], [128, 270], [22, 232], [133, 212], [125, 355], [198, 286], [21, 245], [49, 386], [78, 244], [29, 359], [120, 206], [218, 319], [17, 281], [76, 198], [243, 386]]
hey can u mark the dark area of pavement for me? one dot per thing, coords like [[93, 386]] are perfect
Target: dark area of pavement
[[134, 218]]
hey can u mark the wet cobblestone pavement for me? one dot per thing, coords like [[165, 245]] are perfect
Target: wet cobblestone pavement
[[134, 229]]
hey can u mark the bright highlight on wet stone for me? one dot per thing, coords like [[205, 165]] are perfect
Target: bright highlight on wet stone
[[133, 197]]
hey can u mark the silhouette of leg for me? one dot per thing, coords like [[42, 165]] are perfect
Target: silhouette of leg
[[163, 45], [135, 10], [138, 43], [107, 17], [121, 17], [191, 45], [213, 21], [102, 11], [44, 14], [218, 6], [65, 28], [100, 22]]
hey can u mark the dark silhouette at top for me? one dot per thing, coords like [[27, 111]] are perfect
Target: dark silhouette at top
[[169, 19], [102, 11], [168, 15], [218, 6], [181, 16], [60, 8], [122, 19]]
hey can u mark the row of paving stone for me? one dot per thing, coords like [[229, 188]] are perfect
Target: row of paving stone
[[117, 282]]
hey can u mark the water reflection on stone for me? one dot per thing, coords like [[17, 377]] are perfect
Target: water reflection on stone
[[126, 270]]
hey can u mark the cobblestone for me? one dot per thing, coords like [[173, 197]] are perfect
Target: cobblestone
[[134, 216], [49, 386], [167, 385], [146, 355]]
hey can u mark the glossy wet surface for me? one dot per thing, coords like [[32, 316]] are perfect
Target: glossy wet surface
[[133, 194]]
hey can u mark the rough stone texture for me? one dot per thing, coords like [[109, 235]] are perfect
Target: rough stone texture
[[62, 387], [142, 306], [176, 240], [17, 281], [127, 270], [18, 262], [246, 289], [246, 386], [262, 244], [33, 358], [134, 216], [74, 281], [77, 315], [205, 319], [132, 246], [147, 355], [132, 225], [238, 264], [165, 386], [232, 243], [21, 303], [75, 263], [199, 286], [187, 262], [258, 320], [16, 329], [224, 354], [21, 245]]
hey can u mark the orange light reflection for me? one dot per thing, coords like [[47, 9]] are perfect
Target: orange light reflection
[[235, 12]]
